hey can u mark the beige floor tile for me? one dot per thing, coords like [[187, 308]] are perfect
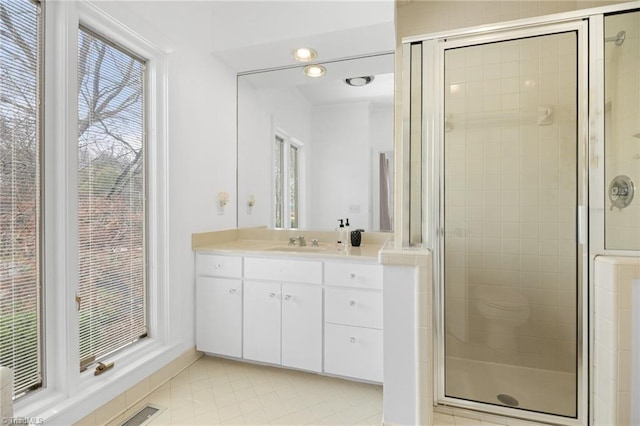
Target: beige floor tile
[[216, 391], [440, 419], [229, 412]]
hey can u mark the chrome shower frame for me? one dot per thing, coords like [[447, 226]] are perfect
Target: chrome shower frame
[[589, 24]]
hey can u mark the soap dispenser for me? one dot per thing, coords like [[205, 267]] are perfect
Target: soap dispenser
[[342, 235], [347, 234]]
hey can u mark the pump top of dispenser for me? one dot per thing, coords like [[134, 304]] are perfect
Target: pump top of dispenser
[[347, 224], [341, 222]]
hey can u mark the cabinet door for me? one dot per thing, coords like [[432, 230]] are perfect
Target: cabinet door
[[353, 352], [219, 316], [302, 327], [261, 313]]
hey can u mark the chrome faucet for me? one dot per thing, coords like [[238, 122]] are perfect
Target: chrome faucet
[[303, 243], [292, 241]]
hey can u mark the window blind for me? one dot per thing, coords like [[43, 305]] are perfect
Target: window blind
[[111, 197], [293, 186], [20, 52], [278, 175]]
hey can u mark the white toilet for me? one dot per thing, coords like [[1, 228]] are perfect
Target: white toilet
[[504, 309]]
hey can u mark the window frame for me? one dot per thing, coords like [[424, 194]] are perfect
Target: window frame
[[39, 118], [64, 386], [133, 55], [287, 142]]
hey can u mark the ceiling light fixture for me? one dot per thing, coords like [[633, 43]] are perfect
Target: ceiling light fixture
[[314, 70], [305, 54], [359, 81]]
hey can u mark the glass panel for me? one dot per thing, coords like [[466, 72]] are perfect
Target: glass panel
[[278, 162], [510, 223], [293, 185], [622, 131], [111, 214], [20, 217]]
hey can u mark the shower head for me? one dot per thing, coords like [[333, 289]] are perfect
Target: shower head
[[618, 38]]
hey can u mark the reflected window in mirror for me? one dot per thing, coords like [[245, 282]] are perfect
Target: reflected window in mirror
[[345, 167], [286, 179]]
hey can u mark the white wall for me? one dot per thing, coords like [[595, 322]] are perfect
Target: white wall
[[201, 163], [260, 114], [341, 166]]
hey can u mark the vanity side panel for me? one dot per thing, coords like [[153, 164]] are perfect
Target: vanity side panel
[[400, 359]]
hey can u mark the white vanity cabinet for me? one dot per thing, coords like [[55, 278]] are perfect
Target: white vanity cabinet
[[353, 320], [320, 315], [219, 304], [261, 325], [283, 312]]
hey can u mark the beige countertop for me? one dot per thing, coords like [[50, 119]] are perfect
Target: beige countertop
[[275, 242]]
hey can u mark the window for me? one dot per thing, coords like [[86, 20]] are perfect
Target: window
[[286, 172], [111, 197], [20, 218]]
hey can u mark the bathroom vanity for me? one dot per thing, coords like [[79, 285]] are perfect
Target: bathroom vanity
[[316, 309]]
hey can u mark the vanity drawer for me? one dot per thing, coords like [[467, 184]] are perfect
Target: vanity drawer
[[353, 274], [218, 266], [353, 352], [298, 271], [353, 307]]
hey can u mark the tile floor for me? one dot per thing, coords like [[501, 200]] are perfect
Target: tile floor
[[217, 391]]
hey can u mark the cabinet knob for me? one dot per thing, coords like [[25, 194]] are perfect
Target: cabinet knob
[[272, 295], [352, 303], [353, 276], [218, 266], [232, 290], [287, 297], [352, 339]]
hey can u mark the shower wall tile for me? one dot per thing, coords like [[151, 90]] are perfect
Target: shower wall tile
[[613, 336], [517, 195], [622, 118]]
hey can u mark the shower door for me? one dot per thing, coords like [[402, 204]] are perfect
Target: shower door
[[511, 180]]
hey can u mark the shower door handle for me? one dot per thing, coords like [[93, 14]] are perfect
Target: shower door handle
[[581, 222]]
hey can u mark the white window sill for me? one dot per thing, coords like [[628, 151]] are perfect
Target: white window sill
[[131, 366]]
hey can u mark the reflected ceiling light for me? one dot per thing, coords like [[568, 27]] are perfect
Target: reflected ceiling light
[[305, 54], [359, 81], [314, 70]]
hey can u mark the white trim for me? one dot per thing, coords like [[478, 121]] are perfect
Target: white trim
[[69, 395]]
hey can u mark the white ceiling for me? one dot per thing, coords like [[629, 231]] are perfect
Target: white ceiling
[[331, 88], [250, 35]]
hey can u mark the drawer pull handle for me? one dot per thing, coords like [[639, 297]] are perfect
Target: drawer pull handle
[[218, 266], [352, 339], [232, 290], [272, 295], [287, 297], [352, 303], [353, 276]]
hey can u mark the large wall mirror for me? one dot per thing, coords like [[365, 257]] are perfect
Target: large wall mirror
[[315, 150]]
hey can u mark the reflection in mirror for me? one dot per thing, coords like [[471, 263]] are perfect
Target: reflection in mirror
[[315, 150]]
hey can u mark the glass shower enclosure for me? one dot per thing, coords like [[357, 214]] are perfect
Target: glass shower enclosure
[[504, 130]]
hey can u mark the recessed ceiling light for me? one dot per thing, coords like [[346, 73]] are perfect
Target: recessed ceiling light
[[305, 54], [359, 81], [314, 70]]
